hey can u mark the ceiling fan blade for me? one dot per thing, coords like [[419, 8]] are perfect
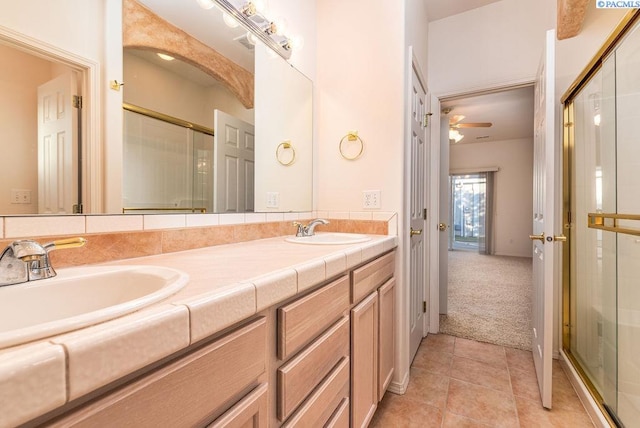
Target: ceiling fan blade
[[455, 119], [474, 125]]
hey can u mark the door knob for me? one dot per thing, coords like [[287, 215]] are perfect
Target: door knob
[[414, 232], [560, 238], [442, 227], [537, 237]]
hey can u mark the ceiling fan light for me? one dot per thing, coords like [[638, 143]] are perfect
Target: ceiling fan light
[[455, 135]]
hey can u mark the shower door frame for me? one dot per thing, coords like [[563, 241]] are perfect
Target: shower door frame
[[629, 20]]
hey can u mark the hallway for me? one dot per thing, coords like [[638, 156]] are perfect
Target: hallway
[[457, 382]]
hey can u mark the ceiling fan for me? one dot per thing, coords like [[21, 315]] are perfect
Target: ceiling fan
[[455, 124]]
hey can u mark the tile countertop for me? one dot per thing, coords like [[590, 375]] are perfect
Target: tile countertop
[[227, 284]]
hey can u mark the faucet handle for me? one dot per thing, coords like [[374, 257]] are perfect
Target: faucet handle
[[27, 250], [62, 244], [301, 228]]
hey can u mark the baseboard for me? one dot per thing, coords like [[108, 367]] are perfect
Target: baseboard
[[598, 419], [399, 387]]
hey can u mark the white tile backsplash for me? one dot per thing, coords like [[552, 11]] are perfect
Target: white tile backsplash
[[164, 221], [360, 215], [202, 220], [227, 219], [114, 223], [22, 227], [35, 226], [255, 218]]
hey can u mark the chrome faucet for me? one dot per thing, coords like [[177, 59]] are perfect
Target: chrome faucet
[[309, 229], [27, 260]]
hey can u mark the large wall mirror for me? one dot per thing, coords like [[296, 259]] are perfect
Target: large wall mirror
[[226, 126]]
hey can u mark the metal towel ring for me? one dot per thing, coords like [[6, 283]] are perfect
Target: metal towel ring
[[352, 136], [285, 145]]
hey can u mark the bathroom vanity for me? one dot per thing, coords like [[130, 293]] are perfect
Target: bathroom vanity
[[266, 333]]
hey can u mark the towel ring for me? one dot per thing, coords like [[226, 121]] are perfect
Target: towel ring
[[351, 136], [285, 145]]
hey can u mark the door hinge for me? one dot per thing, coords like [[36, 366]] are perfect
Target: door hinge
[[424, 306], [424, 214], [425, 119], [77, 101], [77, 209]]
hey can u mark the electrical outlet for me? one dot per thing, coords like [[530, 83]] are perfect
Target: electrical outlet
[[20, 196], [371, 199], [273, 200]]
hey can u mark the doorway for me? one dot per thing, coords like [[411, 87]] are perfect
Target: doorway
[[490, 196], [34, 172]]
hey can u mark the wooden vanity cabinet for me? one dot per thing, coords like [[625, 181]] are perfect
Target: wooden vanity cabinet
[[313, 345], [372, 337], [190, 391]]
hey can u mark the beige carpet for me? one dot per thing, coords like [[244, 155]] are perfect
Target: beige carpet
[[489, 299]]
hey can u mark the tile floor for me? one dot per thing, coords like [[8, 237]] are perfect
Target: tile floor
[[458, 382]]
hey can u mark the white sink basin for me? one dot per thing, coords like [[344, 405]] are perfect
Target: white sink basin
[[79, 297], [329, 239]]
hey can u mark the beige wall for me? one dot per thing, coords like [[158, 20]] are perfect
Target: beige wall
[[497, 44], [20, 76], [513, 192]]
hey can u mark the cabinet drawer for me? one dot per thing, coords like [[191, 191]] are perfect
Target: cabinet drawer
[[300, 321], [250, 412], [186, 392], [367, 278], [300, 376], [319, 407], [340, 418]]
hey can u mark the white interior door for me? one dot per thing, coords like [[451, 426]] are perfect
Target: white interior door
[[444, 214], [418, 152], [543, 220], [57, 146], [234, 158]]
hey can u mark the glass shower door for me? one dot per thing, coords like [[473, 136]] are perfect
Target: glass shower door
[[604, 325], [627, 60], [593, 331]]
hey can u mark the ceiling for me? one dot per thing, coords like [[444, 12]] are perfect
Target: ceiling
[[438, 9], [510, 112]]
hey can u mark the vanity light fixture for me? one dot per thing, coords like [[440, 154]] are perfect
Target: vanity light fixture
[[165, 56], [252, 16]]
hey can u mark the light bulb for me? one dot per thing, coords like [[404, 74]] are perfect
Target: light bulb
[[165, 57], [229, 20], [251, 38], [281, 25], [205, 4], [261, 6], [297, 42]]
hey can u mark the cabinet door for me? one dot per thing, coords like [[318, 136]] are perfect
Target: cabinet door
[[386, 300], [187, 392], [364, 360], [250, 412]]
